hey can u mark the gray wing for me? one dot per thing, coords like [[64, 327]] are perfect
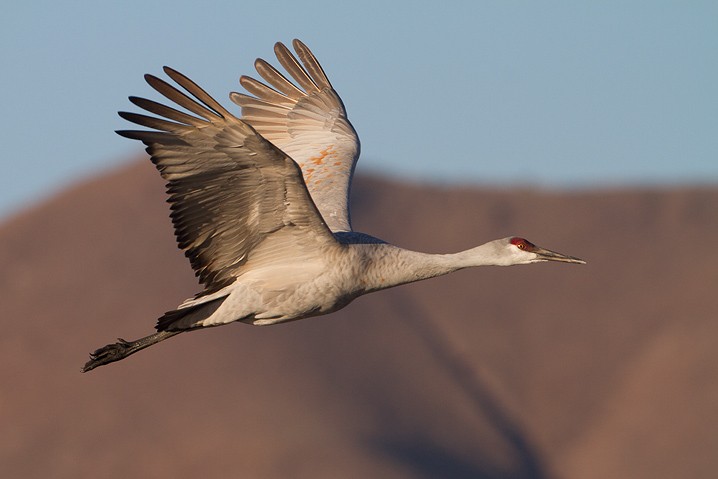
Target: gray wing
[[229, 188], [307, 121]]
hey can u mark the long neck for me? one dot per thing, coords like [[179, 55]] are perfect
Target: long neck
[[391, 266]]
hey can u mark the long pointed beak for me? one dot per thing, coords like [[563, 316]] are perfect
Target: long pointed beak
[[547, 255]]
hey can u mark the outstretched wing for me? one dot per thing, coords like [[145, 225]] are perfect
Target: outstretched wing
[[309, 123], [229, 188]]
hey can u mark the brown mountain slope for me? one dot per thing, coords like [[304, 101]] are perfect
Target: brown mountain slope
[[605, 370]]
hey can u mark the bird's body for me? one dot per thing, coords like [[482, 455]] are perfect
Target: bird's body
[[260, 205], [310, 282]]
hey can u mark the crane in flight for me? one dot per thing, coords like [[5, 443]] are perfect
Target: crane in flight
[[260, 204]]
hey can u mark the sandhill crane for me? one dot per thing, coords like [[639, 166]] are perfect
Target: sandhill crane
[[260, 204]]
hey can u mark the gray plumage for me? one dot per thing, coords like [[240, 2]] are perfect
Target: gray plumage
[[260, 204]]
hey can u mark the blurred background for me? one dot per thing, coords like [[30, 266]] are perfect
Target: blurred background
[[591, 129], [558, 94]]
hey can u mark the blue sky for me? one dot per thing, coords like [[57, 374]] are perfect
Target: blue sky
[[554, 94]]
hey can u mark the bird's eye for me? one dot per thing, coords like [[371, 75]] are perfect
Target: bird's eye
[[522, 244]]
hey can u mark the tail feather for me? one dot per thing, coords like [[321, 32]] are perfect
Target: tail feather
[[189, 317]]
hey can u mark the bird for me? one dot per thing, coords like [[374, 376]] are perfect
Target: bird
[[260, 203]]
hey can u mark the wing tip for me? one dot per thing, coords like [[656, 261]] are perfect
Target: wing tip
[[299, 45], [279, 46]]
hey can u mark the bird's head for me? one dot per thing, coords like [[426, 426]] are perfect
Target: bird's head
[[518, 250]]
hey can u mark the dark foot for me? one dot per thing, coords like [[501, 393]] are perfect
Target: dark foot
[[121, 349], [108, 354]]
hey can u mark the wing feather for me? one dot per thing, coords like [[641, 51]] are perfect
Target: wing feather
[[312, 64], [173, 94], [307, 120], [266, 93], [290, 63], [272, 76], [229, 188]]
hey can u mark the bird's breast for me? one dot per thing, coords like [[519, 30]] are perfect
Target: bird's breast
[[300, 290]]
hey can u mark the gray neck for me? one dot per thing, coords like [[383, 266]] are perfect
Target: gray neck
[[390, 266]]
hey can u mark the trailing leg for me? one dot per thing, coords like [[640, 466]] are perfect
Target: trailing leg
[[121, 349]]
